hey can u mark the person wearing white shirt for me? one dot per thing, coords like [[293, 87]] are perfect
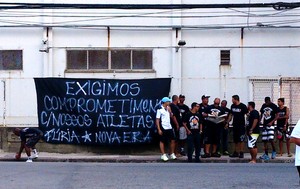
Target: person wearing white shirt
[[295, 138], [164, 128]]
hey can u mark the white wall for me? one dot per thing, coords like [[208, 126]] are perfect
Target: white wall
[[195, 68]]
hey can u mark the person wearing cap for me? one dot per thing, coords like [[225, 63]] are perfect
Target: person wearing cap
[[193, 125], [164, 128], [184, 109], [202, 110]]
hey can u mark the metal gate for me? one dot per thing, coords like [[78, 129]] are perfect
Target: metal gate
[[290, 91], [263, 88], [287, 88]]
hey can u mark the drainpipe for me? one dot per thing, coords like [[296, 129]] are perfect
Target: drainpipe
[[4, 103]]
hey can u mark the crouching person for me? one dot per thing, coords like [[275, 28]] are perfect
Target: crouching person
[[29, 138], [193, 125], [252, 130]]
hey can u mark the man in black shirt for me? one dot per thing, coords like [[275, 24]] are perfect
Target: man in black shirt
[[29, 137], [202, 109], [252, 129], [193, 126], [238, 111], [268, 117], [184, 109], [283, 129], [177, 122], [213, 128], [224, 130]]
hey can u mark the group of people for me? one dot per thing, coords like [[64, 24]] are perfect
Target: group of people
[[203, 128]]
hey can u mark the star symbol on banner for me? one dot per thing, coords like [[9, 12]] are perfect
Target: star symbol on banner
[[87, 136]]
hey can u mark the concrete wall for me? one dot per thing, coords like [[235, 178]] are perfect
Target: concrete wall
[[256, 52]]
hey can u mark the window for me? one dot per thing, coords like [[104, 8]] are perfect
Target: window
[[225, 57], [109, 60], [11, 60]]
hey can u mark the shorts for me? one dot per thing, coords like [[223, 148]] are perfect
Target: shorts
[[268, 133], [167, 136], [31, 142], [239, 134], [182, 133], [281, 135], [252, 139]]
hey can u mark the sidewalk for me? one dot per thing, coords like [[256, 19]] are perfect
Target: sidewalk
[[91, 157]]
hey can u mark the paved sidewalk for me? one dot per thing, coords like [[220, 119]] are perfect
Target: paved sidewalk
[[92, 157]]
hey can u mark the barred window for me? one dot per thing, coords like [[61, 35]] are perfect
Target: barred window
[[225, 57], [115, 59], [11, 60]]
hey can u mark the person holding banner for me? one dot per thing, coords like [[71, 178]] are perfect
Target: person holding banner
[[164, 128], [29, 138]]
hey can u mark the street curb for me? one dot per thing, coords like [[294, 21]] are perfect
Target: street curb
[[144, 160]]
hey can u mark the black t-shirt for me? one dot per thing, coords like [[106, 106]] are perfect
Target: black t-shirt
[[254, 114], [176, 112], [217, 111], [268, 112], [184, 109], [193, 121], [238, 112], [282, 113], [29, 132]]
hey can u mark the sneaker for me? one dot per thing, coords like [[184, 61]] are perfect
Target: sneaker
[[273, 155], [172, 156], [225, 153], [182, 152], [34, 156], [234, 155], [215, 155], [263, 156], [202, 153], [164, 157], [267, 158], [241, 155], [29, 160], [206, 155], [290, 155]]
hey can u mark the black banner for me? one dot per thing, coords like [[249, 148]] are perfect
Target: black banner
[[99, 111]]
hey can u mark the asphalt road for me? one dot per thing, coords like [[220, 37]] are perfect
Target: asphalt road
[[21, 175]]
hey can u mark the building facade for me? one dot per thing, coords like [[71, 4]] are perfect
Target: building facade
[[252, 52]]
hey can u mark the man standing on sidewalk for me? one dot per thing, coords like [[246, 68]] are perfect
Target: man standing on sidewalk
[[252, 129], [238, 111], [202, 109], [29, 138], [193, 126], [268, 117], [224, 130], [213, 128], [184, 109], [295, 138], [164, 128], [177, 122]]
